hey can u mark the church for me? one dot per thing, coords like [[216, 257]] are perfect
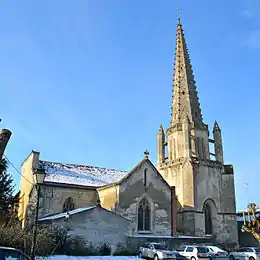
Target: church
[[189, 192]]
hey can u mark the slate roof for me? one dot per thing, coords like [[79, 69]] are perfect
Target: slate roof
[[82, 175]]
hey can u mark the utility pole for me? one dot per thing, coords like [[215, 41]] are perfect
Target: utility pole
[[38, 180]]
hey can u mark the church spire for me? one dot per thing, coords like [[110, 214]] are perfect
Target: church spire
[[185, 102]]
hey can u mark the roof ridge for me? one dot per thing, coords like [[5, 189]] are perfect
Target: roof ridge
[[82, 165], [70, 212]]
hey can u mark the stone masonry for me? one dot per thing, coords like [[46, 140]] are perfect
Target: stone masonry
[[204, 184]]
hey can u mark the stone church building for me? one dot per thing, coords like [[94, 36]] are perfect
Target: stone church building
[[190, 192]]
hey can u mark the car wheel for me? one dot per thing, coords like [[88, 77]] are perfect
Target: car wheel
[[140, 255], [231, 257], [192, 258], [251, 258], [156, 257]]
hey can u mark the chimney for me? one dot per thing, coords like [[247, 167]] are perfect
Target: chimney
[[173, 211], [4, 139]]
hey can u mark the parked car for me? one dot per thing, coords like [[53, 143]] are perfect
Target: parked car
[[194, 252], [216, 252], [7, 253], [248, 253], [157, 251]]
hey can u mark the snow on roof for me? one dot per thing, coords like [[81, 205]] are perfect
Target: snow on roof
[[80, 174], [64, 214], [66, 257]]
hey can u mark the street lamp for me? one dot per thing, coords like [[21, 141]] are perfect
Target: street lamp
[[38, 175]]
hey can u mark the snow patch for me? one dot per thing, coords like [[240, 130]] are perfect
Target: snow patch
[[164, 237], [64, 214], [80, 174], [64, 257], [161, 213]]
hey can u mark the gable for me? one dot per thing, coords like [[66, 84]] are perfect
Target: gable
[[152, 175]]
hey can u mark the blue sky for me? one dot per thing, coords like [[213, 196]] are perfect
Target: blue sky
[[89, 81]]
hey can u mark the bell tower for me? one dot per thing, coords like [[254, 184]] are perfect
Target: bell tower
[[190, 160], [186, 139]]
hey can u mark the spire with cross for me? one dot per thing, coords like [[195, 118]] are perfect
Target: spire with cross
[[185, 101]]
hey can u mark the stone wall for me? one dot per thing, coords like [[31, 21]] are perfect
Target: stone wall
[[156, 191], [228, 233], [97, 226], [53, 198], [109, 197], [26, 184], [208, 184]]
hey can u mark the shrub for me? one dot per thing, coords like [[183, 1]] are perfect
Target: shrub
[[49, 240], [123, 251], [104, 249]]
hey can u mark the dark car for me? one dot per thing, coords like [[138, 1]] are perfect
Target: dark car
[[179, 256], [8, 253]]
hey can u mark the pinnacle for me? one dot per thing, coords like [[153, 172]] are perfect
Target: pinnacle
[[216, 126], [161, 129]]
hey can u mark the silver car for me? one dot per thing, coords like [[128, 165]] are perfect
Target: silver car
[[216, 252], [155, 251], [246, 253]]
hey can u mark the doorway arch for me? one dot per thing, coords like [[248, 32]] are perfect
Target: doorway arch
[[210, 216]]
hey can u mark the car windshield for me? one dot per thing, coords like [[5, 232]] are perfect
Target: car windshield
[[11, 255], [159, 246], [257, 249], [181, 249], [202, 249]]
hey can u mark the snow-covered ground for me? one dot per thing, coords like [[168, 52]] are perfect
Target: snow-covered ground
[[64, 257]]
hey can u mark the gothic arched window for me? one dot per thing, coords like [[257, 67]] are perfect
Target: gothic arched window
[[208, 219], [68, 205], [144, 215]]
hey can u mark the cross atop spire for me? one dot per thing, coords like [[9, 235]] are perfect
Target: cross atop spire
[[146, 153], [178, 15], [185, 102]]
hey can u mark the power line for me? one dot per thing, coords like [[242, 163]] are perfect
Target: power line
[[16, 169]]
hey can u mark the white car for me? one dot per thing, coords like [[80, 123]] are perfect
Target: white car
[[216, 252], [194, 252], [246, 253], [155, 251]]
